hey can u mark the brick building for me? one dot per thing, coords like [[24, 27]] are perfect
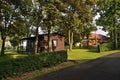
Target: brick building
[[57, 43], [98, 38]]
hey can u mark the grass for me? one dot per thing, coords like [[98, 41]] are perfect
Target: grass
[[75, 57], [11, 55], [86, 54]]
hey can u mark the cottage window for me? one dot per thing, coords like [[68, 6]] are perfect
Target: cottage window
[[54, 43]]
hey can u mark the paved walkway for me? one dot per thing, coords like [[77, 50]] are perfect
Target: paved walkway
[[105, 68]]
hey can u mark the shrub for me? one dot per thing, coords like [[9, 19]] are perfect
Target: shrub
[[106, 46], [29, 63]]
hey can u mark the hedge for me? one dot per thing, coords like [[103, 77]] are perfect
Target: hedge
[[106, 47], [18, 66]]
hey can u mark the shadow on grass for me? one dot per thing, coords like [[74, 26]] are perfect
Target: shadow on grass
[[78, 61], [10, 55], [5, 58], [93, 50]]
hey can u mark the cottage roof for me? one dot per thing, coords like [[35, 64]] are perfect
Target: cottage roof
[[41, 36], [100, 37]]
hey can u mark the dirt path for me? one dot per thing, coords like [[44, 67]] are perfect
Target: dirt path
[[105, 68]]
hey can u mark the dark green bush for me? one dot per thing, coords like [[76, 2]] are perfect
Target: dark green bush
[[29, 63], [106, 46]]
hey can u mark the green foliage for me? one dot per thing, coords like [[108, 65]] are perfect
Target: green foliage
[[14, 41], [106, 46], [77, 19], [11, 20], [29, 63], [109, 11], [21, 14]]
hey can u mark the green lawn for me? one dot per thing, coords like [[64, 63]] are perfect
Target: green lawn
[[75, 57], [11, 55], [86, 54]]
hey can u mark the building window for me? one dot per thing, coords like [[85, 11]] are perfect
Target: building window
[[54, 43]]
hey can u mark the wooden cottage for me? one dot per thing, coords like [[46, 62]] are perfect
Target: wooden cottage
[[57, 43]]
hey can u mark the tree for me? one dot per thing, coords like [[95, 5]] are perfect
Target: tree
[[37, 16], [9, 15], [109, 12], [50, 20], [18, 31], [70, 24], [7, 18], [78, 14]]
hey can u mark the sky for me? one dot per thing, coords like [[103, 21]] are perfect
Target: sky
[[100, 31], [99, 28]]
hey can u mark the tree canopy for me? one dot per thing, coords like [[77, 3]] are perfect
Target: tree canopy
[[17, 16], [109, 11]]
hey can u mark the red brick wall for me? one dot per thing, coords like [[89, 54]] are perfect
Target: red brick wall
[[60, 42]]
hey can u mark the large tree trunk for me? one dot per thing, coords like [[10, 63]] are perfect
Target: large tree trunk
[[70, 39], [115, 39], [115, 30], [81, 45], [36, 42], [88, 39], [3, 46], [49, 40]]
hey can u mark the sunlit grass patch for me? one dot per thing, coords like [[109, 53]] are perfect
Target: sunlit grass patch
[[86, 54]]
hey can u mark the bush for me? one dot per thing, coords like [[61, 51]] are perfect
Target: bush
[[106, 47], [29, 63]]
